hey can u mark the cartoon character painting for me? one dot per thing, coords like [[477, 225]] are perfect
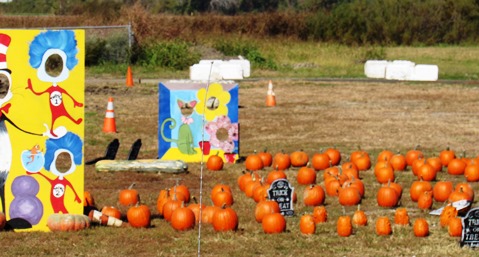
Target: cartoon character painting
[[53, 53], [34, 166], [185, 137]]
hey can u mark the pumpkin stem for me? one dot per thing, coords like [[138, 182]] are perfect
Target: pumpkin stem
[[132, 185]]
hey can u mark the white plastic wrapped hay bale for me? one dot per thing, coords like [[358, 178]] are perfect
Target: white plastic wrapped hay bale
[[425, 72], [229, 70], [375, 69], [245, 65], [202, 70], [399, 70]]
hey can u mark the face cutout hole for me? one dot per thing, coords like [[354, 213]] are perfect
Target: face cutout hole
[[4, 85], [63, 162], [222, 134], [212, 103], [54, 65]]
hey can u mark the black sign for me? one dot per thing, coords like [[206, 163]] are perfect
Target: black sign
[[282, 192], [470, 228]]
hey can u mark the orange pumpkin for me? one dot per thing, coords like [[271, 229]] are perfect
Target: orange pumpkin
[[446, 156], [383, 226], [349, 196], [398, 162], [169, 207], [456, 167], [129, 196], [281, 161], [306, 176], [254, 162], [417, 188], [435, 162], [274, 175], [320, 161], [424, 202], [427, 172], [196, 208], [214, 162], [266, 157], [334, 155], [111, 211], [442, 190], [273, 223], [245, 177], [313, 195], [183, 218], [455, 227], [412, 155], [299, 158], [385, 174], [265, 207], [421, 227], [139, 216], [220, 188], [225, 219], [223, 197], [344, 226], [360, 218], [208, 213], [307, 226], [385, 155], [88, 199], [182, 190], [387, 196], [401, 216], [320, 214], [447, 214], [471, 172]]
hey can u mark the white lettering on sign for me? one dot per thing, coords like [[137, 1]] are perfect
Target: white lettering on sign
[[280, 193]]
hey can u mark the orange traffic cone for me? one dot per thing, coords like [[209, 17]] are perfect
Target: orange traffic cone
[[129, 77], [109, 124], [270, 96]]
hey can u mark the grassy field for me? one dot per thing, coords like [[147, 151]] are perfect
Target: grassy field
[[309, 115]]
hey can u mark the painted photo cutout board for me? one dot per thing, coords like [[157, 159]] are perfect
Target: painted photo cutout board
[[42, 75], [194, 121]]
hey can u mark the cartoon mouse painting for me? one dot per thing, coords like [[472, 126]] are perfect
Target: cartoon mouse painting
[[53, 53], [185, 136]]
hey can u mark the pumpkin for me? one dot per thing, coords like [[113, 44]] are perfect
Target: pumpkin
[[161, 200], [220, 188], [254, 162], [349, 196], [208, 213], [170, 206], [397, 187], [446, 156], [251, 186], [183, 218], [359, 217], [274, 175], [412, 155], [416, 164], [334, 155], [417, 188], [88, 199], [355, 183], [471, 172], [265, 207], [306, 176], [357, 154], [261, 193], [3, 220], [333, 186], [245, 177], [385, 174], [281, 161], [313, 195], [421, 227], [401, 216], [196, 208], [385, 155], [182, 193], [362, 162], [129, 196], [398, 162], [67, 222], [351, 172], [424, 202], [111, 211], [266, 157], [225, 219], [273, 223], [383, 226], [299, 158], [455, 227], [435, 162], [320, 214], [223, 197], [139, 216], [214, 162], [344, 226], [456, 167], [458, 195], [307, 226], [446, 215], [387, 196], [465, 187], [427, 172], [320, 161], [442, 190]]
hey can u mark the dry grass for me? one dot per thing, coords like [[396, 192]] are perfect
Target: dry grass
[[310, 116]]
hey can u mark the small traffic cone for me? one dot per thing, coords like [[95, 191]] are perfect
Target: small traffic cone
[[129, 77], [270, 96], [109, 124]]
